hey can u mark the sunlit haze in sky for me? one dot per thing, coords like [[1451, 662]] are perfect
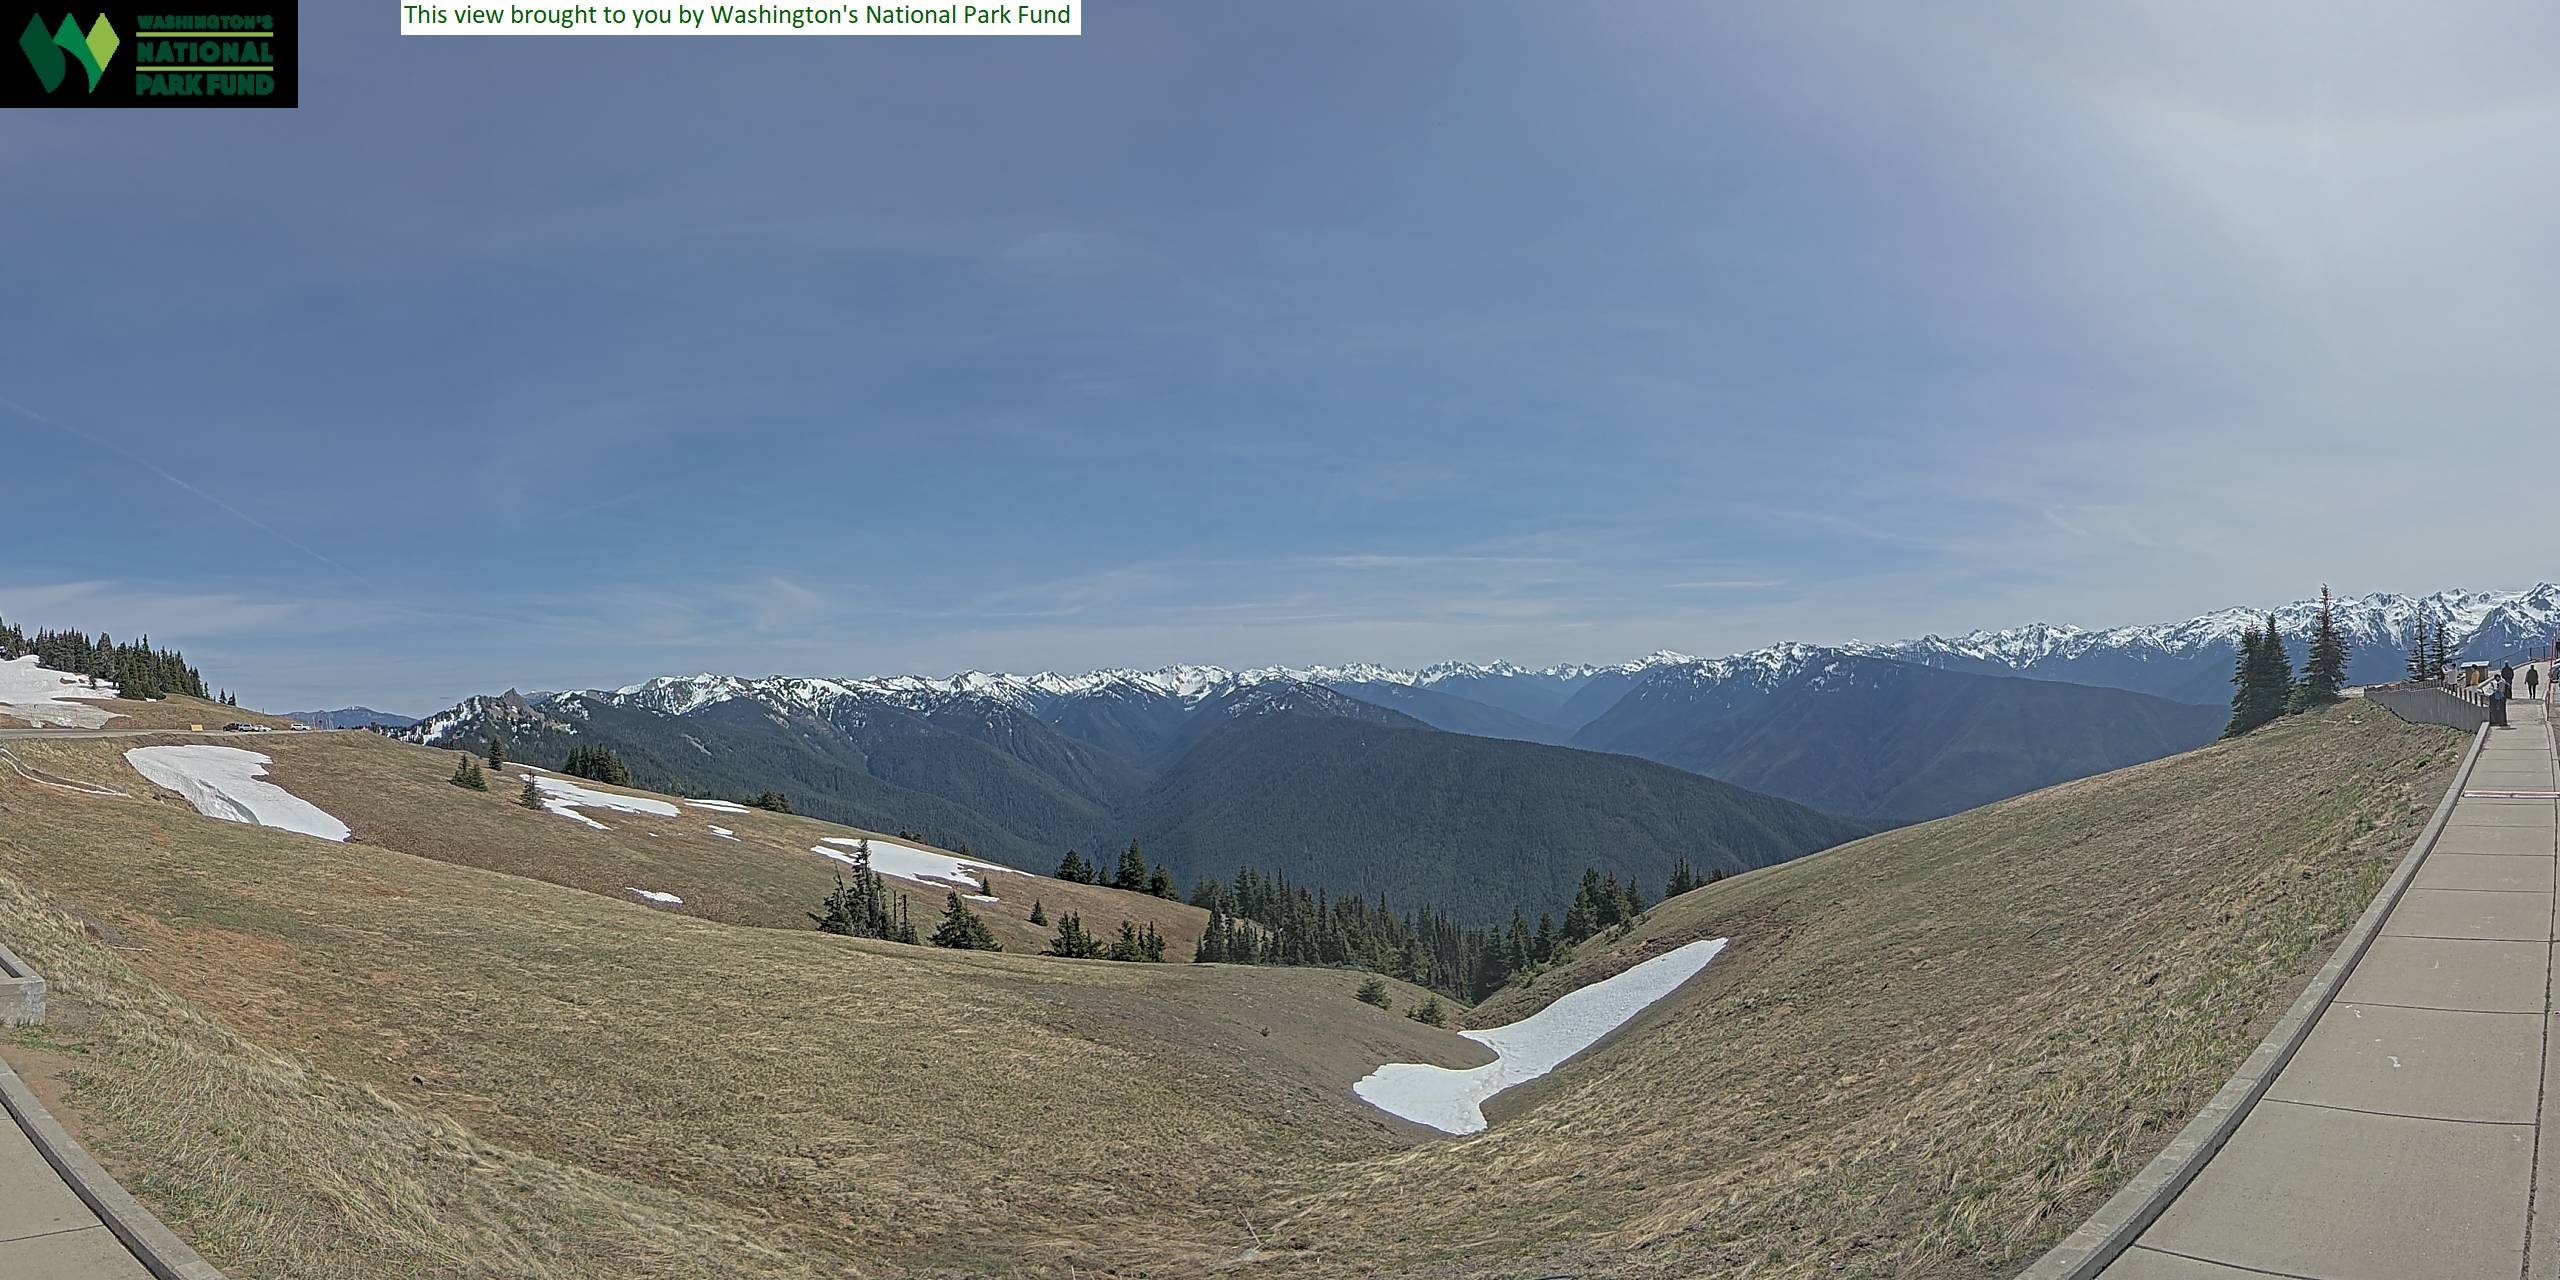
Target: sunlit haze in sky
[[1284, 334]]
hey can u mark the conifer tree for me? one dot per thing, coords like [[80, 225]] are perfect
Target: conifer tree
[[1039, 913], [1213, 939], [2264, 680], [532, 797], [771, 801], [1074, 868], [1429, 1014], [1072, 941], [2324, 666], [1133, 871], [1374, 991], [2440, 659], [466, 774], [497, 752], [1683, 878], [1160, 882], [2417, 661], [961, 929]]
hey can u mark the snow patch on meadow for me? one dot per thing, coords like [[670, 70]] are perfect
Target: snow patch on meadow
[[717, 806], [39, 696], [224, 782], [564, 796], [663, 899], [724, 833], [1453, 1100], [890, 858]]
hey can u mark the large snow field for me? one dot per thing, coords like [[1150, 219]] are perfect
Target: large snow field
[[890, 858], [1453, 1100], [224, 782], [40, 696], [564, 796]]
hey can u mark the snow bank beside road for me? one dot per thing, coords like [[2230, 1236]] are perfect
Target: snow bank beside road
[[40, 697], [224, 782], [1453, 1101]]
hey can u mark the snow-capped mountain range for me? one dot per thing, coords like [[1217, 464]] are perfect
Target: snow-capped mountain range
[[2185, 661]]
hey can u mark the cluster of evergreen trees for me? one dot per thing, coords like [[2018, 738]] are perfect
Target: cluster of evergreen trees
[[1264, 919], [138, 670], [1133, 875], [1598, 904], [1076, 943], [2430, 652], [597, 764], [864, 907], [2264, 680], [770, 801], [467, 775]]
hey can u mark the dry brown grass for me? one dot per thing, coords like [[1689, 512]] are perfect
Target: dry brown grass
[[1927, 1053], [396, 794], [835, 1107], [166, 713]]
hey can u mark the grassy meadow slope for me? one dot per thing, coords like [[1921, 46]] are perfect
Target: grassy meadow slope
[[395, 794], [1927, 1053], [343, 1060], [177, 712]]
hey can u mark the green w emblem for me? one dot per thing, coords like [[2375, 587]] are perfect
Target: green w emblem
[[45, 51]]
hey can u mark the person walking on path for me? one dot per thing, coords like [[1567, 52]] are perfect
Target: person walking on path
[[2532, 680], [2497, 702]]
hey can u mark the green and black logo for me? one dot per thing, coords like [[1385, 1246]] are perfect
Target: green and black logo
[[52, 52], [190, 54]]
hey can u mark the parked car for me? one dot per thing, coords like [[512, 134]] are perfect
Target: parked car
[[237, 727]]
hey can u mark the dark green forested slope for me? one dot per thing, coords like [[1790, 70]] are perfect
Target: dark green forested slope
[[1473, 824]]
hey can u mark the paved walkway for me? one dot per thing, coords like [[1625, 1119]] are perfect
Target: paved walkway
[[46, 1232], [2403, 1140]]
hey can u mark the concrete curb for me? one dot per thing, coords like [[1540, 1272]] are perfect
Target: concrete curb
[[21, 992], [2130, 1211], [152, 1244]]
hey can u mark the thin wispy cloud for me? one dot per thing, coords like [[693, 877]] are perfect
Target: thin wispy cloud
[[1367, 371]]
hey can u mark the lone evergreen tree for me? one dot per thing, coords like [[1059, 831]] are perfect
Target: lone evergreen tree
[[1039, 914], [2324, 667], [1374, 991], [961, 929], [532, 797], [1072, 941], [2417, 663], [1213, 939], [1429, 1014], [497, 752], [2440, 660]]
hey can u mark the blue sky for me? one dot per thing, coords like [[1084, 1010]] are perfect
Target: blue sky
[[1307, 333]]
